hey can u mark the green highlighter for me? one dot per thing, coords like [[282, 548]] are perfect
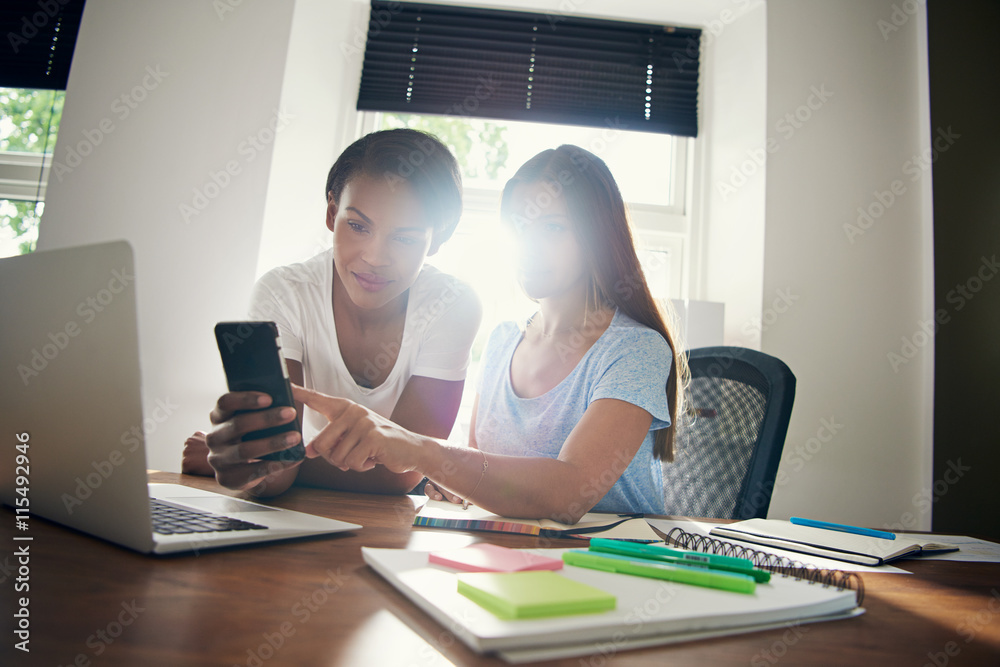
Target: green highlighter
[[697, 576], [532, 594], [679, 557]]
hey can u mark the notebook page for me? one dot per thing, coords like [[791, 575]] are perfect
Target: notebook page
[[820, 537]]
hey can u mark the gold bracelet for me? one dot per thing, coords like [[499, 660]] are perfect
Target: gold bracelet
[[486, 464]]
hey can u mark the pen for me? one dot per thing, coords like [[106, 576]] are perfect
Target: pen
[[869, 532], [678, 557], [704, 559], [737, 583]]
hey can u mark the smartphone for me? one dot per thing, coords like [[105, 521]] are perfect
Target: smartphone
[[251, 356]]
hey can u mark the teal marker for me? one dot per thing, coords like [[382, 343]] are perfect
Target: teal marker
[[696, 576], [677, 557]]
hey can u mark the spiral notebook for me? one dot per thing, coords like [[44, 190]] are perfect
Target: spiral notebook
[[848, 547], [647, 613]]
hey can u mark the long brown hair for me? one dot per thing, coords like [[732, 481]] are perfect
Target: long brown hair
[[605, 235]]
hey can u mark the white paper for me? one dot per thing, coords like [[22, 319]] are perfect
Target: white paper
[[645, 608], [971, 549]]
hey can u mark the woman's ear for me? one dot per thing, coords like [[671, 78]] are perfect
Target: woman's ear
[[331, 211]]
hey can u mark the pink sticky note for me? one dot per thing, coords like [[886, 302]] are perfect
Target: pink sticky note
[[491, 558]]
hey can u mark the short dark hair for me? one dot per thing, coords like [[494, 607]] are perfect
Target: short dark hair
[[419, 159]]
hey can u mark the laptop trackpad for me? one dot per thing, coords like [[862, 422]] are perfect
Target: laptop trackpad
[[219, 504]]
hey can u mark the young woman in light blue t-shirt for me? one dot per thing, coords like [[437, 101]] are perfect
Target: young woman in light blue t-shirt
[[577, 406]]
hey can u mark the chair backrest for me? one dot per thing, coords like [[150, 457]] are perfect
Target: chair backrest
[[729, 443]]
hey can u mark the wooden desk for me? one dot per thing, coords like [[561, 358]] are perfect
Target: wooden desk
[[314, 602]]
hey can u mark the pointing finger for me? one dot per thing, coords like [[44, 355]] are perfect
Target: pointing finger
[[329, 406]]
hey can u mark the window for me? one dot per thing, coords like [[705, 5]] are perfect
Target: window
[[651, 170], [28, 128], [498, 86], [40, 38]]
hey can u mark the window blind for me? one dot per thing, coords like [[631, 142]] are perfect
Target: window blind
[[550, 68], [38, 38]]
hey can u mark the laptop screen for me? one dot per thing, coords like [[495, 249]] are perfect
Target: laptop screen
[[69, 354]]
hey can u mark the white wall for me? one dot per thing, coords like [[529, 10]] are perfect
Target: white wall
[[859, 444], [319, 92], [218, 83], [729, 192]]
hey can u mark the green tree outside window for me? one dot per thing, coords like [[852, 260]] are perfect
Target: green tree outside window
[[479, 146], [28, 124]]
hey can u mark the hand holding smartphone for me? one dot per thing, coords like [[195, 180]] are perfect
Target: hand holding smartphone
[[251, 356]]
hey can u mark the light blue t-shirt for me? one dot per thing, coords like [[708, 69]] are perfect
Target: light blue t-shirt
[[629, 362]]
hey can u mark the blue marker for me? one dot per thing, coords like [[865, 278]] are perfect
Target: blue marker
[[868, 532]]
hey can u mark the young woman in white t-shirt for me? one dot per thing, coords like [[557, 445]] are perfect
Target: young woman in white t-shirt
[[365, 320]]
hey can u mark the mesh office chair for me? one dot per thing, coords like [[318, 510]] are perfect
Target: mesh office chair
[[729, 442]]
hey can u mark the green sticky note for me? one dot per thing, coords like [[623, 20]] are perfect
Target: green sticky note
[[534, 594]]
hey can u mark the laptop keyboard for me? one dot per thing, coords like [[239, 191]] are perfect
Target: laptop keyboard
[[173, 520]]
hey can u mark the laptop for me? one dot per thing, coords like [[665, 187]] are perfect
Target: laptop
[[71, 415]]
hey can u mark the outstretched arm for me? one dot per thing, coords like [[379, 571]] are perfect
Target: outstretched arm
[[427, 407], [594, 456]]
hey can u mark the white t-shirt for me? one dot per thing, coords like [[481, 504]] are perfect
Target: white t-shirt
[[442, 318]]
